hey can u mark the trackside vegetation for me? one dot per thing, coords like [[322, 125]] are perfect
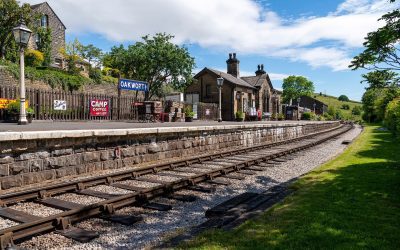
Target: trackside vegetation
[[351, 202]]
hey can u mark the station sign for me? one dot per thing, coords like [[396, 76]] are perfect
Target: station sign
[[133, 85], [99, 107]]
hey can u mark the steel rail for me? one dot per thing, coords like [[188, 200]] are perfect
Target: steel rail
[[108, 206], [54, 189]]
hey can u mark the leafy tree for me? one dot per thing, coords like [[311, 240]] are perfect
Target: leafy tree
[[343, 98], [154, 60], [91, 53], [44, 44], [381, 79], [10, 16], [72, 52], [296, 86], [381, 46], [114, 58], [392, 116]]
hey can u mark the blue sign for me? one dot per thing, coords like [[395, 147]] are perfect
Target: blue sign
[[133, 85]]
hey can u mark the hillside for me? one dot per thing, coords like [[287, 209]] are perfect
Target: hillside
[[333, 101]]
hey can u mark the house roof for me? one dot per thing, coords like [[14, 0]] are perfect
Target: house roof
[[230, 78], [35, 6], [257, 81]]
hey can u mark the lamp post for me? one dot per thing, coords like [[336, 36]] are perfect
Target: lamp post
[[298, 108], [220, 82], [21, 36], [274, 95], [314, 106]]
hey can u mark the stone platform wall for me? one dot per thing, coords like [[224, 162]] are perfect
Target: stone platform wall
[[32, 157]]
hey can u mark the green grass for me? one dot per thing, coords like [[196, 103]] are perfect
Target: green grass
[[351, 202], [333, 101]]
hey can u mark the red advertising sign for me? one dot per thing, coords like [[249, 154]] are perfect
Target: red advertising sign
[[99, 107]]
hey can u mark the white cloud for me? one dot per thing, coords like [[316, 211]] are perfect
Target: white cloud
[[241, 25]]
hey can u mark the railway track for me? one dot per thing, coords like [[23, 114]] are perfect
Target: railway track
[[166, 178]]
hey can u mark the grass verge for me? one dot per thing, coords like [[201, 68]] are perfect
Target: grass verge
[[351, 202]]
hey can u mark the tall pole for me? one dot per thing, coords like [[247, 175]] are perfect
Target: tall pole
[[298, 110], [22, 114], [219, 106]]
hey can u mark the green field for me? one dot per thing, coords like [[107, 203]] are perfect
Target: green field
[[351, 202], [333, 101]]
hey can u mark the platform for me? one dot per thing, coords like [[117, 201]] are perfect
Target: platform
[[53, 130]]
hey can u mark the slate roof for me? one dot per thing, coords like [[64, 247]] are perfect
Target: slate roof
[[230, 78], [258, 81]]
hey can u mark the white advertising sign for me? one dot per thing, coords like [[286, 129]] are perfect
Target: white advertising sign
[[60, 105]]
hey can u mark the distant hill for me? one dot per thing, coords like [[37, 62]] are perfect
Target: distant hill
[[333, 101]]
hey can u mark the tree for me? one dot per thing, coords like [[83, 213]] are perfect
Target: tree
[[72, 52], [154, 60], [10, 16], [296, 86], [381, 79], [381, 46], [343, 98], [91, 53]]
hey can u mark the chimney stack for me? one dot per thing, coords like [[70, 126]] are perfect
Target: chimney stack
[[233, 65], [260, 70]]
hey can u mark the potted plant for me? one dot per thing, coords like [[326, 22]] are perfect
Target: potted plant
[[189, 114], [13, 109], [239, 116], [281, 117], [29, 114]]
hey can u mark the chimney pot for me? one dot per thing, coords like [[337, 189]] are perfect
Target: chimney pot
[[258, 67], [230, 55], [262, 66], [234, 55]]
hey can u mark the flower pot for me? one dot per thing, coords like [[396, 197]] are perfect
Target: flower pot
[[188, 119], [239, 119], [29, 117]]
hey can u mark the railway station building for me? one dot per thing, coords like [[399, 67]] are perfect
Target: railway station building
[[249, 94]]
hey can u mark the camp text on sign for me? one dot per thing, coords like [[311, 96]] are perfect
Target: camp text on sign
[[99, 107], [133, 85]]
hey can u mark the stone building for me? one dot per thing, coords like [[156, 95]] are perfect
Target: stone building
[[49, 19], [246, 94]]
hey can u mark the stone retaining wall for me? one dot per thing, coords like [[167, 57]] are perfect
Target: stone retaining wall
[[32, 157]]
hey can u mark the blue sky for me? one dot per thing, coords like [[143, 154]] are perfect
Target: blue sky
[[313, 38]]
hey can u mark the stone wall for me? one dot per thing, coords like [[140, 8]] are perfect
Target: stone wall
[[8, 80], [32, 157]]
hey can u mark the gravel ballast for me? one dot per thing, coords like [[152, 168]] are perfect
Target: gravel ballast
[[160, 225]]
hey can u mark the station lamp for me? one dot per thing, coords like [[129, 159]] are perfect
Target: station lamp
[[22, 35]]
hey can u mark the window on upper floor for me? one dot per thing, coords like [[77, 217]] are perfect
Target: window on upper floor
[[44, 21], [208, 90]]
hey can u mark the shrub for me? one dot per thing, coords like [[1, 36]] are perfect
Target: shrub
[[346, 106], [33, 58], [308, 116], [239, 115], [343, 98], [95, 75], [189, 112], [356, 110], [392, 116]]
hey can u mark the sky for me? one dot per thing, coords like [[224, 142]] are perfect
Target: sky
[[313, 38]]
